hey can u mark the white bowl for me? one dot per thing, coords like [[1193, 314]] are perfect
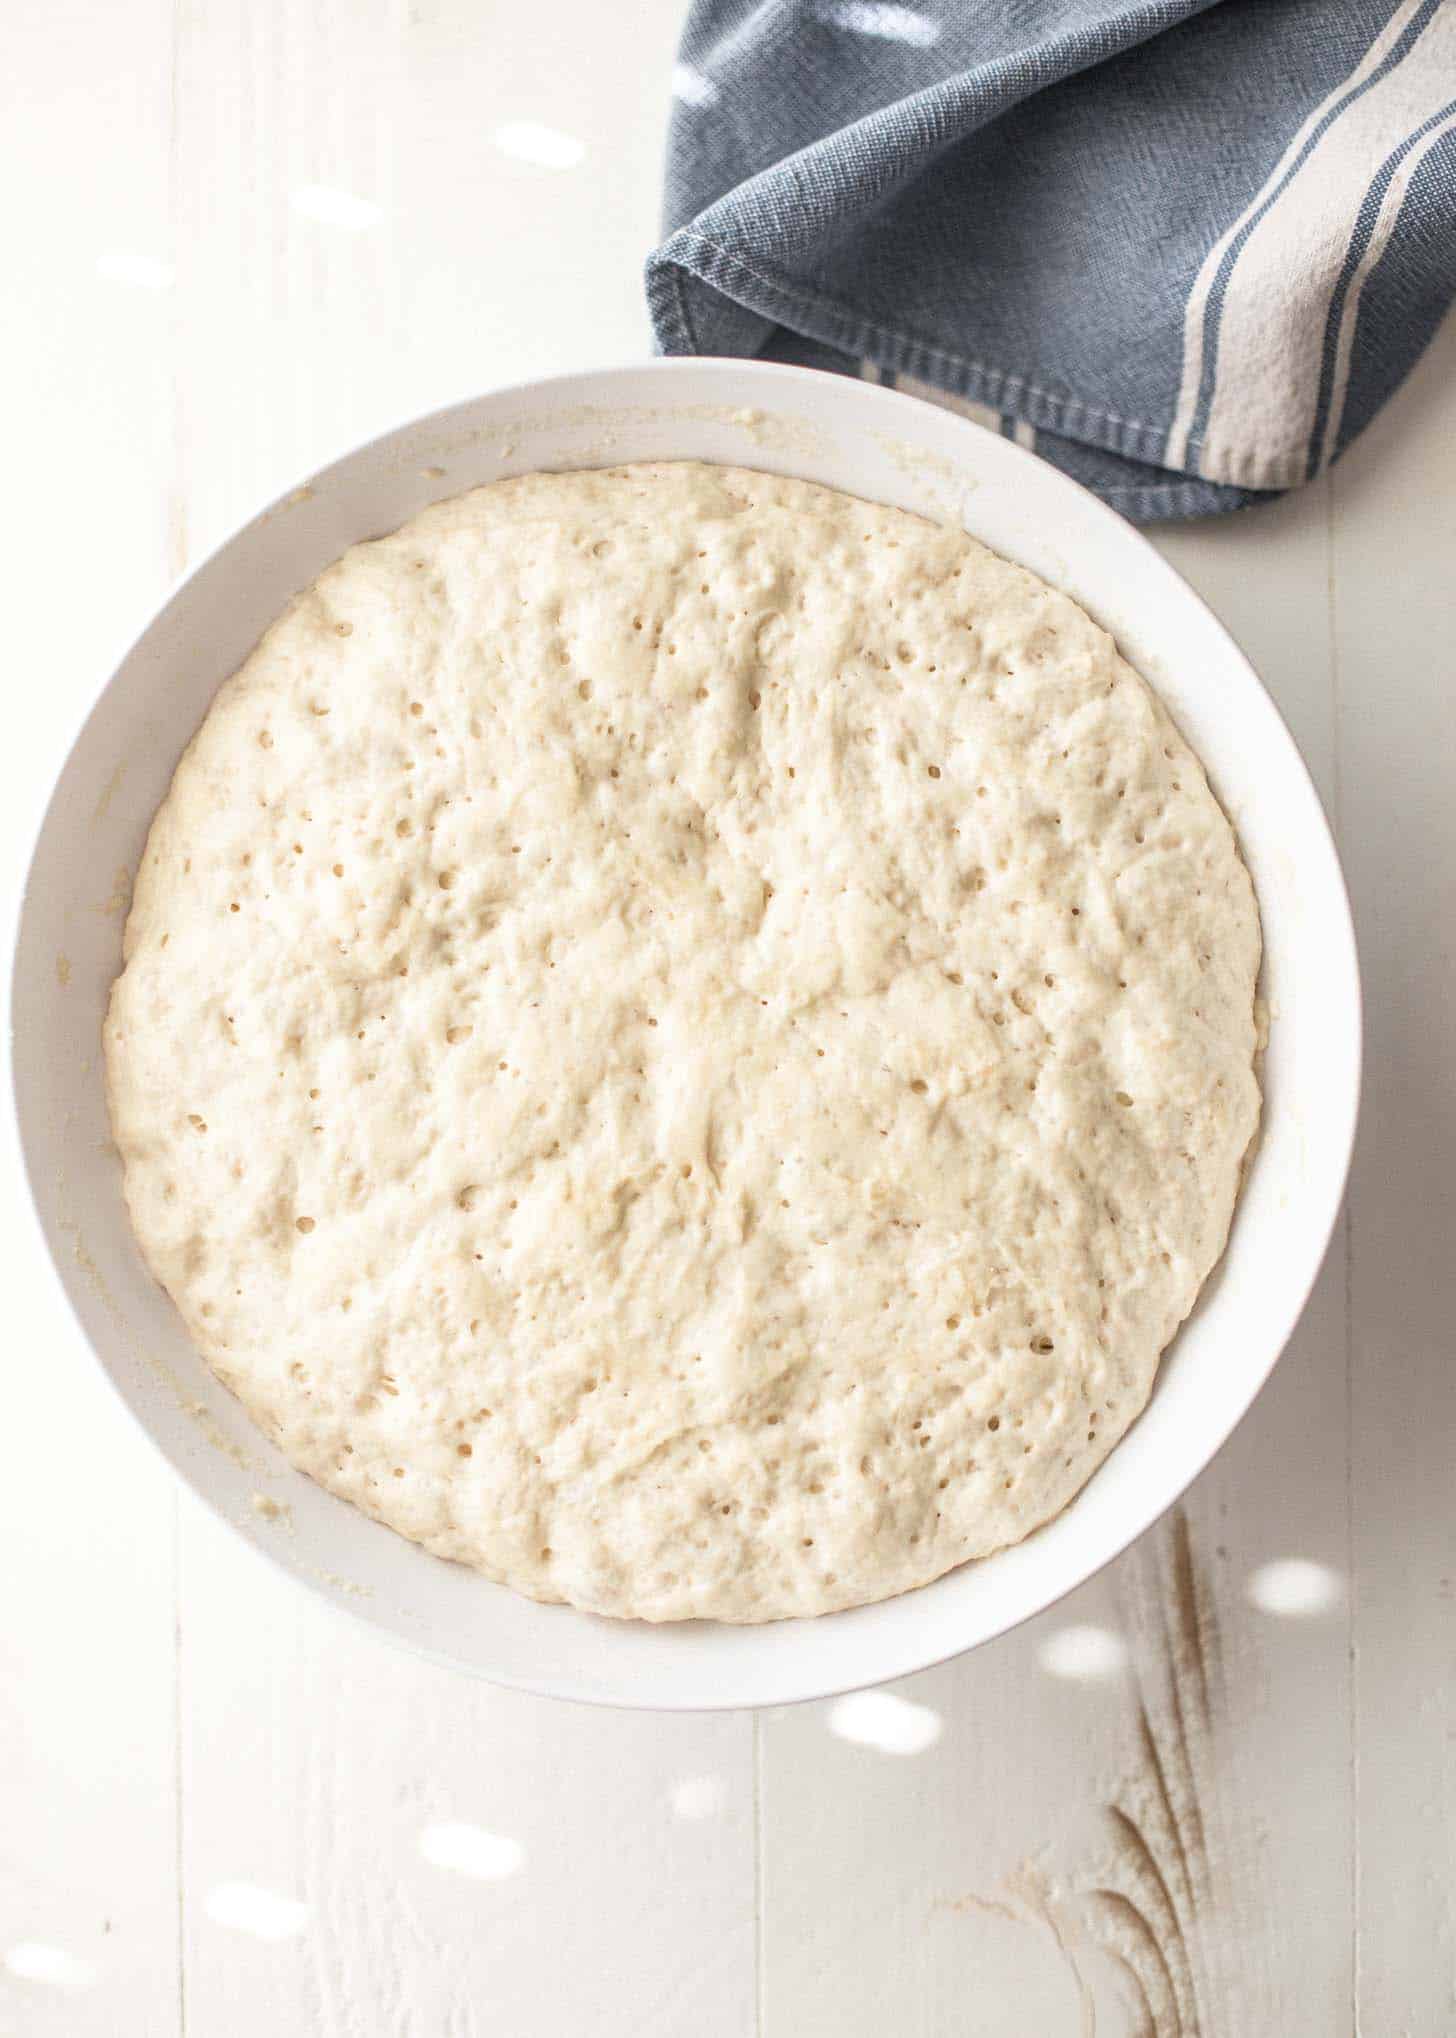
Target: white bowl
[[873, 443]]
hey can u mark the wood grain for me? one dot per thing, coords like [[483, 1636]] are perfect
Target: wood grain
[[1186, 1824], [88, 1887], [1206, 1795], [320, 1768], [467, 1861], [1393, 604]]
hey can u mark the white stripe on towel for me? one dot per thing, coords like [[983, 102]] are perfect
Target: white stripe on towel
[[1193, 316], [1384, 226], [1270, 347]]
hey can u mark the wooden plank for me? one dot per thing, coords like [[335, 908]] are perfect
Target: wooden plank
[[373, 1844], [370, 1843], [88, 1882], [1088, 1836], [1110, 1831], [1393, 595], [519, 269]]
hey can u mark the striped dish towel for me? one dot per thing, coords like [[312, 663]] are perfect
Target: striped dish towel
[[1183, 248]]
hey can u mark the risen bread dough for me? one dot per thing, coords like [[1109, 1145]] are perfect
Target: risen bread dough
[[687, 1041]]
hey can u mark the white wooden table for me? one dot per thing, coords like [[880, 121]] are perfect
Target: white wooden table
[[1214, 1792]]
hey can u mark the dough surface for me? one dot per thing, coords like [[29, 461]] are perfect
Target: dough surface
[[687, 1041]]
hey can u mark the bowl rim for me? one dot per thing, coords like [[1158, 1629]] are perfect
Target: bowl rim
[[805, 1688]]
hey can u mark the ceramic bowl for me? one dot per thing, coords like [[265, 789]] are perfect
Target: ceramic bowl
[[871, 442]]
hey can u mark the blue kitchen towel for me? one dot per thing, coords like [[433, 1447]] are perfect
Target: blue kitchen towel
[[1184, 248]]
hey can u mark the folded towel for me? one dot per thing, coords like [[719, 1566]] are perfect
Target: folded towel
[[1184, 248]]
